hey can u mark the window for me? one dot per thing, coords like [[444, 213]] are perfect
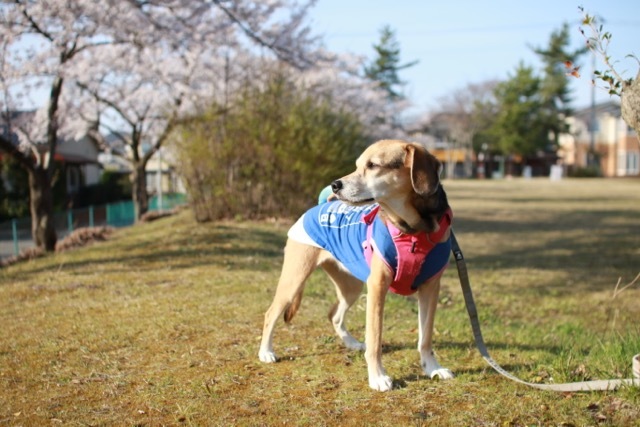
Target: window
[[628, 163], [73, 179], [633, 164]]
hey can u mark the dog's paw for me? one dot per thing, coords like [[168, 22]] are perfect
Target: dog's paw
[[267, 356], [442, 373], [353, 344], [381, 383], [432, 368]]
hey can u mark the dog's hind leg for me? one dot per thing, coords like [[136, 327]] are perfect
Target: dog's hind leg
[[348, 289], [427, 304], [299, 262]]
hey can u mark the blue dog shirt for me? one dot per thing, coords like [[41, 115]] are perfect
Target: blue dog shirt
[[340, 229]]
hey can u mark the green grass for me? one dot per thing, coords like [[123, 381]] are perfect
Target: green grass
[[160, 325]]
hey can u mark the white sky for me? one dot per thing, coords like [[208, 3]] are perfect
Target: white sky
[[470, 41]]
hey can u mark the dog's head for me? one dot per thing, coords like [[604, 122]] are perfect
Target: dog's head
[[388, 171], [403, 178]]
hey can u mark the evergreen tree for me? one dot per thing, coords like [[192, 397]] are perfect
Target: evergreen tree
[[385, 67], [532, 108], [521, 124], [554, 90]]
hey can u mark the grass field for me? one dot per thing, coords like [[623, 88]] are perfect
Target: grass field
[[160, 325]]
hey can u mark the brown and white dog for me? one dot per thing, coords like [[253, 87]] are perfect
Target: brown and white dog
[[403, 179]]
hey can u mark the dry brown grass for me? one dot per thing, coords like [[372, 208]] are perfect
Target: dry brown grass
[[160, 324]]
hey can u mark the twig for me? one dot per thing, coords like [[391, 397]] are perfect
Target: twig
[[616, 292]]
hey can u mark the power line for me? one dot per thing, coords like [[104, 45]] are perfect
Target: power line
[[487, 29]]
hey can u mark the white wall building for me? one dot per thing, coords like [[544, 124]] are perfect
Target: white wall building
[[615, 144]]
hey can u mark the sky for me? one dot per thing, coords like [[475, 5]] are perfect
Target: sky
[[458, 42]]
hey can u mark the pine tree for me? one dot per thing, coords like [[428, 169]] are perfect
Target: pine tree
[[520, 125], [555, 92], [385, 67]]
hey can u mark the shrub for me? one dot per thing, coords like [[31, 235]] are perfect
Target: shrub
[[268, 155], [586, 172]]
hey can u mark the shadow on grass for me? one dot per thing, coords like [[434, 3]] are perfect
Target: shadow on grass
[[582, 243], [240, 247], [413, 376], [590, 221], [552, 349]]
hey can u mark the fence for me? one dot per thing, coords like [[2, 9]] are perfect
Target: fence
[[15, 235]]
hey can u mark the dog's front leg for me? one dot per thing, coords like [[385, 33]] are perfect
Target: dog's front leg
[[377, 286], [427, 304], [299, 261]]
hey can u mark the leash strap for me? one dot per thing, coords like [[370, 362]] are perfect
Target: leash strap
[[482, 348]]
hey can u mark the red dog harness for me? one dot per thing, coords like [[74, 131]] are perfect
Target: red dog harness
[[411, 249]]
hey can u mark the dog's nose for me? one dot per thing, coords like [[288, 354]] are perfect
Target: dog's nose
[[336, 185]]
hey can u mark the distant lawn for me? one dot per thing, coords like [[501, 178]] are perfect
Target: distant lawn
[[160, 325]]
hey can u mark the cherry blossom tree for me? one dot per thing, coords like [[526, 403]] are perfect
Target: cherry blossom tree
[[143, 94], [39, 43], [339, 78], [195, 59], [146, 63]]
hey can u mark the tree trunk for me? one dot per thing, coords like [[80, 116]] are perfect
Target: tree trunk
[[139, 189], [630, 104], [41, 204]]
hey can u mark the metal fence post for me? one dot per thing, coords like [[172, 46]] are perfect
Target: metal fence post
[[70, 221], [14, 229], [118, 214]]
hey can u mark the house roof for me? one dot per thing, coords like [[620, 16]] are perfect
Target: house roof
[[65, 151], [610, 107]]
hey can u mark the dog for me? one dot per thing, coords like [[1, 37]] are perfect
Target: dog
[[395, 193]]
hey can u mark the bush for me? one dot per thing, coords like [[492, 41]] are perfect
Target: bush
[[268, 155], [585, 172], [14, 189]]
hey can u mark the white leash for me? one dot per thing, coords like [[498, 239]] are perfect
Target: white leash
[[482, 348]]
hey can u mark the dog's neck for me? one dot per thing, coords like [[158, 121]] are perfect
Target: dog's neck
[[417, 213]]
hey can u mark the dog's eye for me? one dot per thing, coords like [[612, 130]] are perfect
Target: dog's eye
[[371, 165]]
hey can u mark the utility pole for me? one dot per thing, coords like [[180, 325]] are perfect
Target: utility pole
[[591, 161]]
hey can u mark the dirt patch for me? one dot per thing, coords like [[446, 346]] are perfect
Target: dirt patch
[[79, 238]]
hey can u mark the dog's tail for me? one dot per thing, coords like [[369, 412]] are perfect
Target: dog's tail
[[293, 307]]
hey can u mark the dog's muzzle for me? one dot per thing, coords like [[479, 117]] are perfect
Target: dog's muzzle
[[337, 186]]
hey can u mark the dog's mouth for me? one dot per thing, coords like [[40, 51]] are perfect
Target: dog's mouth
[[357, 202], [352, 193], [367, 200]]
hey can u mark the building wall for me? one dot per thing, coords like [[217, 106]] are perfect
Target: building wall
[[628, 157], [619, 147], [616, 144]]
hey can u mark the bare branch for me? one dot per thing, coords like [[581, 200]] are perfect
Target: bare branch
[[281, 53], [32, 22], [106, 101], [618, 291]]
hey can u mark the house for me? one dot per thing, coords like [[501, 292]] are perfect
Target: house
[[78, 158], [160, 171], [161, 174], [599, 138]]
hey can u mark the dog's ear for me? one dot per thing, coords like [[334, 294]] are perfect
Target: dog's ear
[[425, 170]]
